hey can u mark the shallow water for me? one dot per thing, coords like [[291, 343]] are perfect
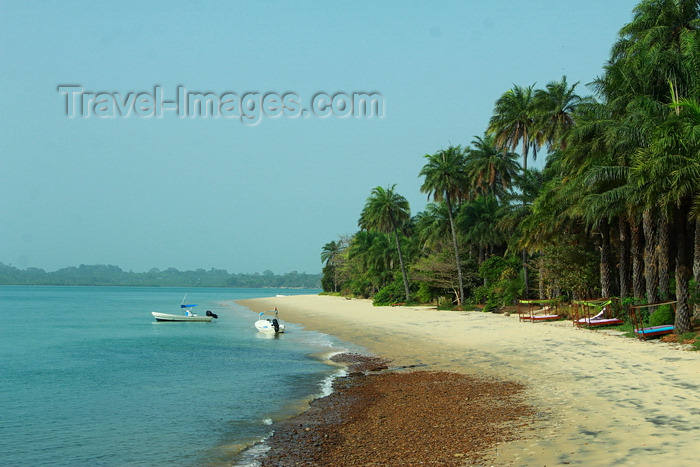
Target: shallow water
[[89, 377]]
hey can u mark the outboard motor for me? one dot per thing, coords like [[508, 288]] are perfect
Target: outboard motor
[[276, 324], [213, 315]]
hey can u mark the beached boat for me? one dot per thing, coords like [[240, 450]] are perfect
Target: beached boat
[[269, 325], [188, 314]]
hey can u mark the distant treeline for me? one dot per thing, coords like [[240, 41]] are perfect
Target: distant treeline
[[171, 277]]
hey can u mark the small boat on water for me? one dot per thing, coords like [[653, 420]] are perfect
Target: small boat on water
[[192, 317], [188, 314], [269, 325]]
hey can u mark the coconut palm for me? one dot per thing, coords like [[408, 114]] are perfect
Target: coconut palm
[[491, 171], [387, 212], [555, 107], [478, 219], [433, 226], [373, 254], [329, 254], [513, 121], [445, 180]]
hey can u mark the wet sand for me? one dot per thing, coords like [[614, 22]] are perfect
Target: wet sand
[[601, 399]]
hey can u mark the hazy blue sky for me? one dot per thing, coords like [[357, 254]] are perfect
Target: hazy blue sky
[[142, 192]]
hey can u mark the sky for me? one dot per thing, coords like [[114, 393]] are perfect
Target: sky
[[104, 161]]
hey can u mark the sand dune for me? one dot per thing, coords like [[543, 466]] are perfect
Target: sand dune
[[604, 399]]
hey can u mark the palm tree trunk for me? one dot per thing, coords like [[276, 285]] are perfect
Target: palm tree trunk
[[651, 274], [525, 275], [403, 267], [460, 295], [625, 276], [684, 261], [526, 143], [540, 275], [637, 260], [605, 258], [696, 266], [662, 249]]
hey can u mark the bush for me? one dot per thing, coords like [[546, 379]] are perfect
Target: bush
[[504, 284], [427, 293], [390, 294], [662, 315], [359, 287], [328, 279]]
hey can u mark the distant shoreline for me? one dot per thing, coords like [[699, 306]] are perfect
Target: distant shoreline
[[600, 398], [109, 275]]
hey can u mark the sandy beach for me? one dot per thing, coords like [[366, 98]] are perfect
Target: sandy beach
[[603, 399]]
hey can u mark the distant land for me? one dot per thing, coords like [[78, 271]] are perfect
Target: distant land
[[106, 275]]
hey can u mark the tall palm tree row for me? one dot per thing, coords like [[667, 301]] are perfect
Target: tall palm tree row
[[620, 183]]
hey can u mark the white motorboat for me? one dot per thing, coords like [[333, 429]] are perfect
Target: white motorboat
[[191, 317], [188, 314], [269, 325]]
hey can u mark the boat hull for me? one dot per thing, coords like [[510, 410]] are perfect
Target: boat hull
[[267, 327], [168, 317]]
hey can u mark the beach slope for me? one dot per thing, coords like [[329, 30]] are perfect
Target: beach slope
[[602, 399]]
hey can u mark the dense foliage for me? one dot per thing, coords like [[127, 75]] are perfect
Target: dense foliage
[[171, 277], [615, 211]]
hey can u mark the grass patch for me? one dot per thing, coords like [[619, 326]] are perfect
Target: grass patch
[[627, 329]]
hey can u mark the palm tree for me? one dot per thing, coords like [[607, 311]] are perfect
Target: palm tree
[[387, 212], [373, 255], [445, 180], [656, 61], [329, 253], [478, 219], [433, 226], [688, 176], [539, 215], [662, 36], [490, 170], [670, 168], [513, 121], [555, 107]]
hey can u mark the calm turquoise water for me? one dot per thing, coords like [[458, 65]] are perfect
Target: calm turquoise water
[[89, 377]]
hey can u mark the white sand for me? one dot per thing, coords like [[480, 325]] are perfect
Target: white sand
[[605, 399]]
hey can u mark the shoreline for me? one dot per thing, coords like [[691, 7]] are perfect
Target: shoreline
[[607, 399]]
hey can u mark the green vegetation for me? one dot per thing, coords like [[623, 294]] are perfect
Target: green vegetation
[[662, 315], [387, 212], [614, 212], [113, 275]]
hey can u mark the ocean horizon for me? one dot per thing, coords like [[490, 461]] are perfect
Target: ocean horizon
[[91, 378]]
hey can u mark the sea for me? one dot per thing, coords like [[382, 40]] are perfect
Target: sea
[[89, 378]]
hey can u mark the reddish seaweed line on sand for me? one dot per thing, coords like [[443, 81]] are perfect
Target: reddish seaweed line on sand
[[402, 417]]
